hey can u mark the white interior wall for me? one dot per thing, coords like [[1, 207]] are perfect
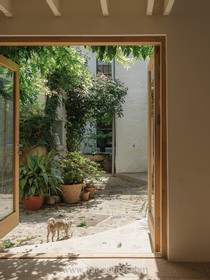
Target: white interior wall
[[188, 42], [131, 129]]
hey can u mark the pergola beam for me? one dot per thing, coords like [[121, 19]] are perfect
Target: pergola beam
[[54, 6], [6, 7], [150, 7], [104, 7], [168, 5]]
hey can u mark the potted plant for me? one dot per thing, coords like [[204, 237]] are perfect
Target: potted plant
[[85, 195], [37, 180], [90, 187], [75, 168]]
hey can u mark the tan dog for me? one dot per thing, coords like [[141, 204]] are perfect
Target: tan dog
[[54, 225]]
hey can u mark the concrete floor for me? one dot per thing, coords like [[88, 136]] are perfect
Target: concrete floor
[[104, 269]]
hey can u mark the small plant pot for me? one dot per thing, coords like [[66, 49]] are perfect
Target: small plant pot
[[50, 200], [91, 189], [90, 185], [85, 195], [33, 203]]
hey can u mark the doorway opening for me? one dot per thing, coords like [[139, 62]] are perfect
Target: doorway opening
[[158, 226]]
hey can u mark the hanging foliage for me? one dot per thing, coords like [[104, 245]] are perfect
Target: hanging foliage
[[121, 53]]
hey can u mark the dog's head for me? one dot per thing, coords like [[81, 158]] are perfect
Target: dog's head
[[69, 223]]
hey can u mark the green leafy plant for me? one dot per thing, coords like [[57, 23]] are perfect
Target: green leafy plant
[[75, 168], [120, 53], [99, 104], [38, 177], [77, 115], [107, 97], [82, 224], [36, 131], [43, 68], [6, 244]]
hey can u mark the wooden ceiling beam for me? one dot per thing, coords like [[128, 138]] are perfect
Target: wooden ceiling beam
[[6, 7], [150, 7], [54, 6], [104, 7], [168, 5]]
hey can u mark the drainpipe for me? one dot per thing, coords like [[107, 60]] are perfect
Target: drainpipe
[[113, 131], [113, 147]]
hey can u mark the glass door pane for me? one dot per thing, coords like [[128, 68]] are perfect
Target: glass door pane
[[6, 142], [9, 140]]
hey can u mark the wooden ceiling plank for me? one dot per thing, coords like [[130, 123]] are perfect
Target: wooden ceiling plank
[[104, 7], [168, 5], [6, 7], [150, 7], [54, 6]]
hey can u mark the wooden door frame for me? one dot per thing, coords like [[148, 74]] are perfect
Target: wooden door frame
[[154, 218], [9, 222], [119, 40]]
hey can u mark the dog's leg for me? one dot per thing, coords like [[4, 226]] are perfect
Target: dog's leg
[[66, 232], [53, 235], [48, 233], [58, 237]]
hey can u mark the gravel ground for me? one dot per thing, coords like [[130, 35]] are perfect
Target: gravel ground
[[116, 203]]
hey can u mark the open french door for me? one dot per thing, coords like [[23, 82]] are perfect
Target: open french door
[[9, 145], [154, 194]]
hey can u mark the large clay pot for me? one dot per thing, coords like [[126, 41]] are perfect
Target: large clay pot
[[71, 193], [33, 203]]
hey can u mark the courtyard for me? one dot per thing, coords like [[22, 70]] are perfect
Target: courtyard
[[114, 221]]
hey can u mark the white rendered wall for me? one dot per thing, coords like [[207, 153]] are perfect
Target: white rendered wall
[[131, 130]]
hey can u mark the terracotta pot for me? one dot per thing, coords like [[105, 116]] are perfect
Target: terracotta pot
[[33, 203], [53, 199], [90, 185], [71, 193], [85, 196], [91, 190], [50, 200]]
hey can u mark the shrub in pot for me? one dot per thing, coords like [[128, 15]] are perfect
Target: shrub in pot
[[90, 187], [38, 179], [75, 168]]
